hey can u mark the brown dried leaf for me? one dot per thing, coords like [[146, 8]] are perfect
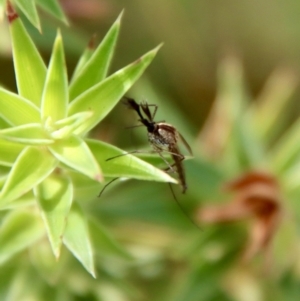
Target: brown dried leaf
[[256, 197]]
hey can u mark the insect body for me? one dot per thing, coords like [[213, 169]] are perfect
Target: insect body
[[162, 136]]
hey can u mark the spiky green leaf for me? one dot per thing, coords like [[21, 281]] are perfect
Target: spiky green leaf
[[84, 58], [29, 66], [53, 7], [77, 240], [55, 95], [125, 166], [101, 98], [95, 70], [29, 10], [17, 110], [29, 134], [32, 166], [55, 195]]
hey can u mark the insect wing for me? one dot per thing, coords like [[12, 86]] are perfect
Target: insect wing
[[185, 144], [133, 105]]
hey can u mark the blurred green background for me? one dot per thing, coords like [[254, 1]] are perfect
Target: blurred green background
[[225, 64], [196, 36]]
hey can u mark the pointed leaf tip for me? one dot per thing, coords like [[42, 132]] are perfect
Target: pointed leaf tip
[[77, 239], [28, 7], [58, 34], [119, 19], [99, 178], [150, 53], [158, 47], [55, 93], [10, 12], [54, 8], [102, 97], [55, 196], [96, 67]]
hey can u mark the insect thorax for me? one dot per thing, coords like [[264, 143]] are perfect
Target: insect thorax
[[163, 136]]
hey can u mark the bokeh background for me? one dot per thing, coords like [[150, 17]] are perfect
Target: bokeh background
[[196, 36], [228, 78]]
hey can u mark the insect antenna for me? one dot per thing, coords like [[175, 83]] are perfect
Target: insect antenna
[[182, 209]]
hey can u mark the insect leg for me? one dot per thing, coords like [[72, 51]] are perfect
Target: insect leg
[[111, 181], [129, 153], [170, 167], [155, 109], [182, 209]]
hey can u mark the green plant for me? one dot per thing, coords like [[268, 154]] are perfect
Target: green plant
[[158, 254], [29, 9], [46, 158]]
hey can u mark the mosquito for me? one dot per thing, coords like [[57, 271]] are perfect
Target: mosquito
[[162, 136]]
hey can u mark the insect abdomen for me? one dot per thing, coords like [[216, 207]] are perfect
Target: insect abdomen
[[178, 158]]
